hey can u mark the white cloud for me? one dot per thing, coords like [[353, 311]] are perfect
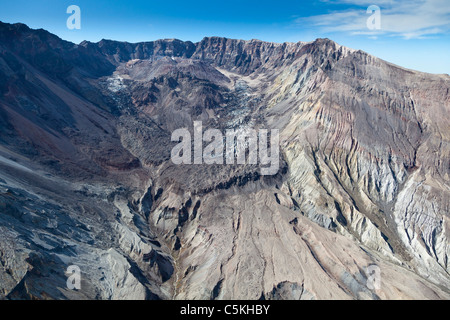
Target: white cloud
[[408, 19]]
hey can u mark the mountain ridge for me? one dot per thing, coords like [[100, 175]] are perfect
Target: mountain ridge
[[86, 176]]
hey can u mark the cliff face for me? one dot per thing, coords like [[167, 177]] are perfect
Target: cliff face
[[86, 177]]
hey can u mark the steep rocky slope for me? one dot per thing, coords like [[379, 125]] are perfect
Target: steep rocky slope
[[86, 177]]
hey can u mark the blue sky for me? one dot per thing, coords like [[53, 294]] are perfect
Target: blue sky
[[413, 33]]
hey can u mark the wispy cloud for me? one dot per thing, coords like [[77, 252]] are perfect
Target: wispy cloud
[[407, 19]]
